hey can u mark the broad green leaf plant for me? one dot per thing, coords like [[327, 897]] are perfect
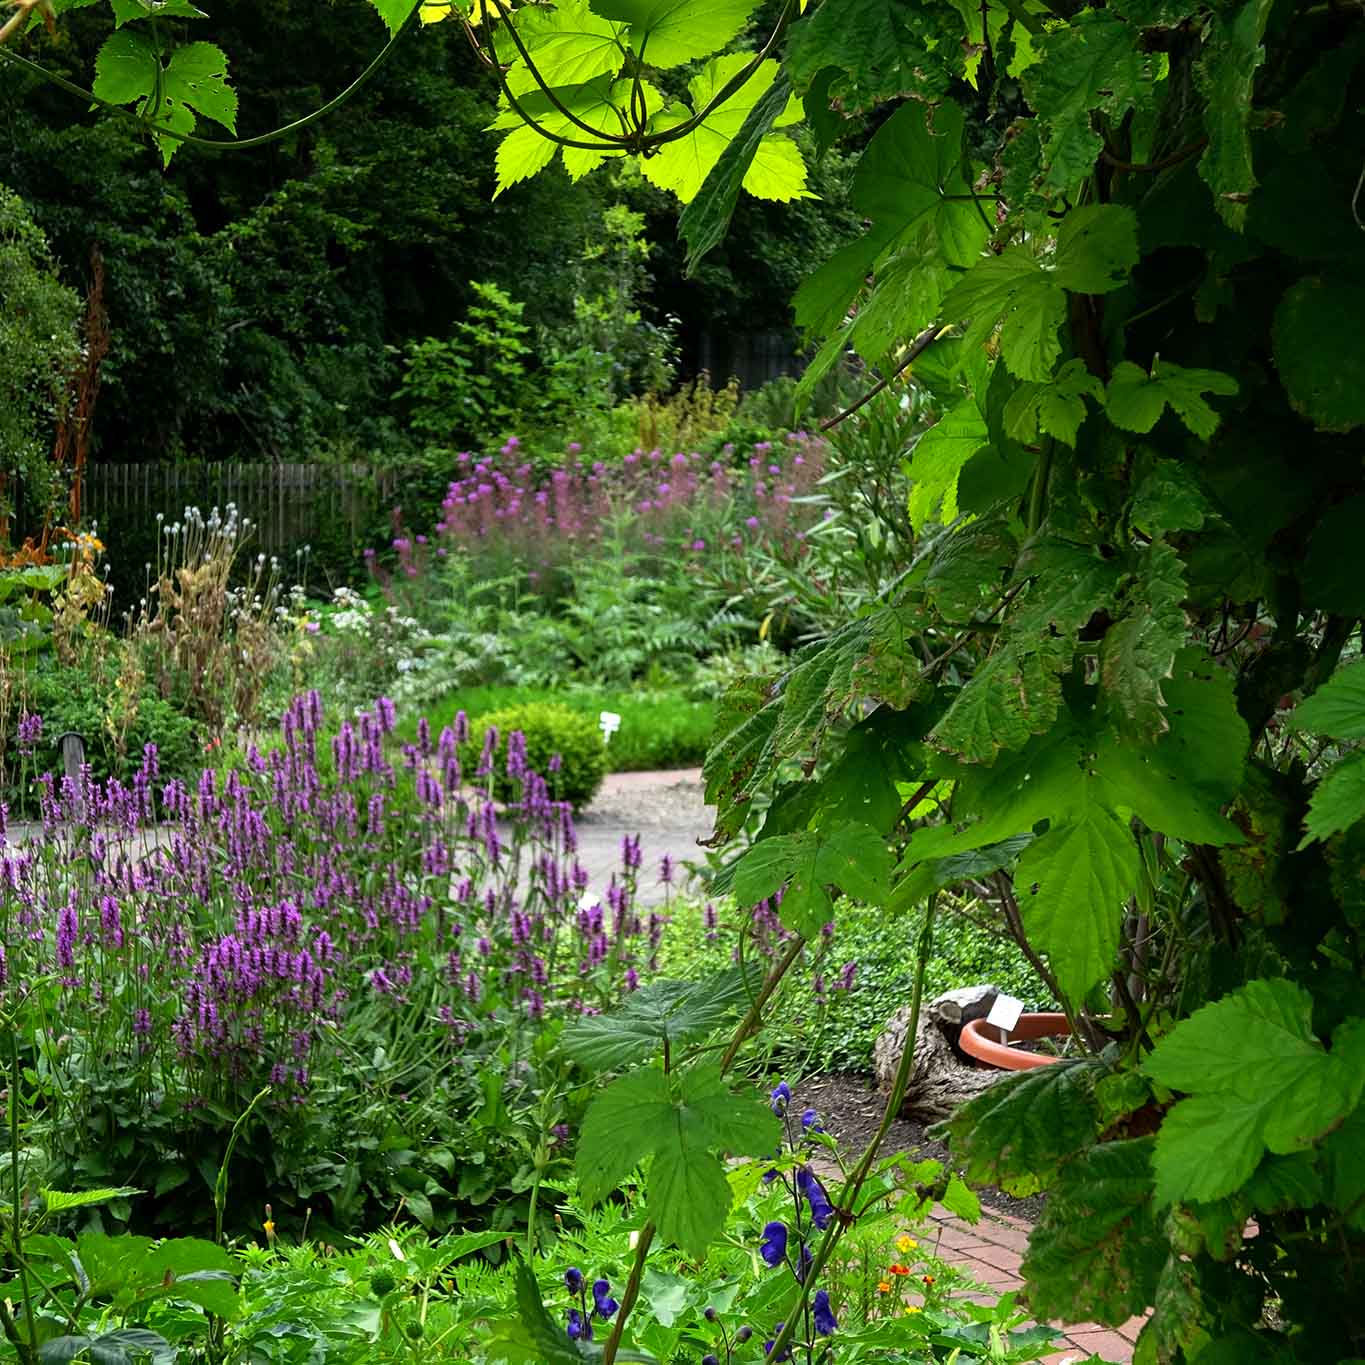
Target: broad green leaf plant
[[1116, 693]]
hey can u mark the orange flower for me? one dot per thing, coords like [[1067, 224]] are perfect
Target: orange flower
[[883, 1287], [928, 1281], [899, 1269]]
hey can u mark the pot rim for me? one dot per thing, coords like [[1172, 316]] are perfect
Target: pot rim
[[976, 1042]]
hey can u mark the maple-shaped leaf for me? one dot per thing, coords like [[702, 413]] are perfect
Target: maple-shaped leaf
[[1057, 407], [684, 164], [937, 459], [668, 33], [1136, 399], [1090, 64], [1337, 708], [570, 45], [1258, 1080], [1014, 293]]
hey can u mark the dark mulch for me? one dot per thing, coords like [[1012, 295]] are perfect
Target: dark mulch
[[851, 1109]]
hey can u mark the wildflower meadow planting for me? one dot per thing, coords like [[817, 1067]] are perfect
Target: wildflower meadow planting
[[858, 863]]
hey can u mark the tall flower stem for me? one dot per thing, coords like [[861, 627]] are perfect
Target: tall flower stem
[[844, 1215], [742, 1030]]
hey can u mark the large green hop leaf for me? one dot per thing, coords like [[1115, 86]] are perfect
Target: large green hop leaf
[[670, 32], [938, 458], [1020, 1132], [394, 12], [1316, 337], [679, 1125], [880, 50], [1089, 64], [1098, 1252], [1338, 801], [775, 171], [662, 1012], [1025, 297], [1138, 652], [1136, 399], [1337, 708], [852, 857], [1056, 408], [1225, 75], [569, 44], [1072, 885], [909, 171], [1257, 1080]]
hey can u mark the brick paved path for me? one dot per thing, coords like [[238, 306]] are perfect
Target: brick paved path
[[990, 1252]]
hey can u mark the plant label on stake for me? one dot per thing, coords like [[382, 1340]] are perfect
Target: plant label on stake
[[610, 723], [1005, 1015]]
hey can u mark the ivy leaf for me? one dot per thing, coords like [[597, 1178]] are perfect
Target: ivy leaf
[[1139, 651], [1098, 1252], [1072, 884], [1013, 292], [1225, 75], [670, 32], [937, 459], [683, 165], [1136, 400], [1337, 708], [1320, 362], [1057, 407], [1090, 64], [1020, 1132], [853, 857], [662, 1012], [394, 12], [1257, 1079], [909, 168], [569, 44], [1338, 801], [125, 68]]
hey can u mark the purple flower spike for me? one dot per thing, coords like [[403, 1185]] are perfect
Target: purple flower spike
[[774, 1246], [825, 1322]]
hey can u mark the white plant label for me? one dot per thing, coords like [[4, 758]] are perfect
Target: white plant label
[[610, 723], [589, 899], [1005, 1013]]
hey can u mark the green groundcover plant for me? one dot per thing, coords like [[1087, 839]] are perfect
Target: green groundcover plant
[[1121, 246]]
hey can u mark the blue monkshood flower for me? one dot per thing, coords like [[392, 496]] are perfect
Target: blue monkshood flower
[[580, 1328], [803, 1262], [710, 1360], [810, 1122], [601, 1296], [825, 1322], [769, 1176], [774, 1246], [781, 1098], [768, 1345], [821, 1210], [573, 1278]]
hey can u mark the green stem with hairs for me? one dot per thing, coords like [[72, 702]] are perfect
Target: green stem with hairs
[[849, 1194], [742, 1031]]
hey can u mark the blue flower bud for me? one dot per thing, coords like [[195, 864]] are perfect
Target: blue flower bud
[[573, 1277]]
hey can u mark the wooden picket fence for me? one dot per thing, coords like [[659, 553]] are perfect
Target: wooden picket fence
[[290, 504]]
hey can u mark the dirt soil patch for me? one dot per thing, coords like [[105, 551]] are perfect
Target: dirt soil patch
[[851, 1107]]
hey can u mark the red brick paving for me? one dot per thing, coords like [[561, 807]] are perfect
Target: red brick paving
[[990, 1251]]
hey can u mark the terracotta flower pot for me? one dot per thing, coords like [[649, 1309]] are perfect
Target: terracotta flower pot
[[982, 1041]]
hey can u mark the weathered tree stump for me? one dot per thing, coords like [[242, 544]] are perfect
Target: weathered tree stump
[[941, 1077]]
